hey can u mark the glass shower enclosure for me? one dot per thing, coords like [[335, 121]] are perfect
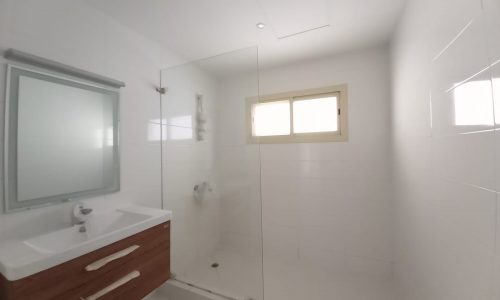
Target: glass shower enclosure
[[211, 175]]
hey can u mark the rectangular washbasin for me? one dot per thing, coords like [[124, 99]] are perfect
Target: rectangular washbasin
[[97, 225]]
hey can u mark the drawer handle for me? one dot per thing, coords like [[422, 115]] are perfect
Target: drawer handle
[[113, 286], [103, 261]]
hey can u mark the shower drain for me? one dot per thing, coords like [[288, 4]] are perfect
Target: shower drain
[[215, 265]]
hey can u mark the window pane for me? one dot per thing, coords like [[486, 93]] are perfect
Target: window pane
[[315, 115], [271, 118]]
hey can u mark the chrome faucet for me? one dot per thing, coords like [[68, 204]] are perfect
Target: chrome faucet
[[80, 216]]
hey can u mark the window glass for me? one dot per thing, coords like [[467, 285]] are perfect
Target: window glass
[[271, 118], [315, 115]]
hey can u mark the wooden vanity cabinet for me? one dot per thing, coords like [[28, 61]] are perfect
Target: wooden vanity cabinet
[[128, 269]]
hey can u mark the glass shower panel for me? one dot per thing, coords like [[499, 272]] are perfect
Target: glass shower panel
[[211, 175]]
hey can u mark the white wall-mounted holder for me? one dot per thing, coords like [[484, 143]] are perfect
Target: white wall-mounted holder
[[201, 119]]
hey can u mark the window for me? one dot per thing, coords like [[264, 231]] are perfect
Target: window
[[316, 115]]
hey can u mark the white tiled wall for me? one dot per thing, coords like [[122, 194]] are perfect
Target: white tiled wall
[[325, 206], [446, 174], [188, 162], [75, 33], [239, 163]]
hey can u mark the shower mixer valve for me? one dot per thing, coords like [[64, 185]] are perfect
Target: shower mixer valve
[[199, 190]]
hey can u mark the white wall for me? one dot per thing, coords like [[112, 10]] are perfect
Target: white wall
[[74, 33], [446, 174], [239, 162], [325, 206], [188, 162]]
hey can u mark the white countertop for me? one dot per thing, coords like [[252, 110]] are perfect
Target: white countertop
[[24, 257]]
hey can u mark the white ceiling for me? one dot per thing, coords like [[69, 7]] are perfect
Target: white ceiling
[[198, 29]]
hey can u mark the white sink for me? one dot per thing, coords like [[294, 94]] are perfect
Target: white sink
[[97, 225], [24, 257]]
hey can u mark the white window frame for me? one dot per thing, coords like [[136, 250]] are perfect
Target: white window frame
[[341, 135]]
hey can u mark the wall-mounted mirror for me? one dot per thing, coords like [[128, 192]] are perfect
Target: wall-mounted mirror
[[61, 139]]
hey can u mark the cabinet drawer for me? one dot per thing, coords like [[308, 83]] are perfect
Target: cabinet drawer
[[91, 267], [133, 280]]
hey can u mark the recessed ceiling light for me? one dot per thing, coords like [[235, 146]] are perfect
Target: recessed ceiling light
[[260, 25]]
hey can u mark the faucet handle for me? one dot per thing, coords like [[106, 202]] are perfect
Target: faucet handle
[[85, 211]]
